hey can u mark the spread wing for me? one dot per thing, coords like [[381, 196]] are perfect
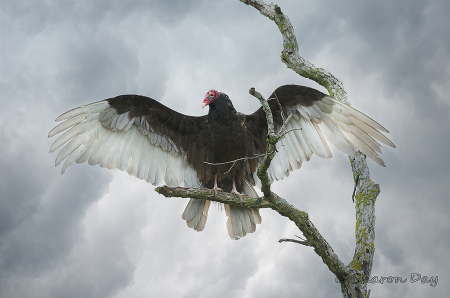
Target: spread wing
[[150, 141], [316, 118], [135, 134]]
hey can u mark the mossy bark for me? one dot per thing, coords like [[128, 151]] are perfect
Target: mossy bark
[[357, 273]]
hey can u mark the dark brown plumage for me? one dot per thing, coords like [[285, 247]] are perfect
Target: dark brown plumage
[[221, 136], [153, 142]]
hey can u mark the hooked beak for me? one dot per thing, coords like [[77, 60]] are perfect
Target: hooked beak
[[204, 104]]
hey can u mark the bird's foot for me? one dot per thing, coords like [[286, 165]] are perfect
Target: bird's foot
[[216, 189], [240, 195]]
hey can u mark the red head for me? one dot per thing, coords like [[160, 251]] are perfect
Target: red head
[[210, 97]]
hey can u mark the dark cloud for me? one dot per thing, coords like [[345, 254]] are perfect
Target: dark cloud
[[35, 16], [99, 233]]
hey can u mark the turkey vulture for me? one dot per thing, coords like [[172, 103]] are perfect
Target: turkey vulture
[[152, 142]]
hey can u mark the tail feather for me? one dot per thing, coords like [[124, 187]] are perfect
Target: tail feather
[[196, 214], [240, 220]]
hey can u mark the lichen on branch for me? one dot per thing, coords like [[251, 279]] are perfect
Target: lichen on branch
[[358, 271]]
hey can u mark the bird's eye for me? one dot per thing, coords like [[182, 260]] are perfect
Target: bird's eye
[[211, 95]]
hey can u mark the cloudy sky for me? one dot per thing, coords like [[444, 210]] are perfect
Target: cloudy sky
[[98, 233]]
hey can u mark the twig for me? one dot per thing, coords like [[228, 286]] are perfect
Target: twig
[[266, 109], [285, 133], [230, 168], [234, 161], [300, 237], [280, 132], [295, 241], [303, 242], [281, 108]]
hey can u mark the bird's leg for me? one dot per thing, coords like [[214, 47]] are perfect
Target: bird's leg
[[215, 186], [234, 191]]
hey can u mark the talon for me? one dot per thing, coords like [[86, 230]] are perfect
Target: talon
[[234, 191], [240, 195], [216, 189]]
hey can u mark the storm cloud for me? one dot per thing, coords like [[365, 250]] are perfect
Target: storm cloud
[[98, 233]]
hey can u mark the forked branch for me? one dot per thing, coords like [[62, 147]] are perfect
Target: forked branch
[[360, 268]]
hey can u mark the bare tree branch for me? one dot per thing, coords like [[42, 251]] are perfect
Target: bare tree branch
[[361, 265], [281, 132], [272, 139], [239, 159], [275, 202], [290, 55], [354, 276], [209, 194], [295, 241], [266, 108]]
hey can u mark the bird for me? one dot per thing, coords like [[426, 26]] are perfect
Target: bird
[[220, 150]]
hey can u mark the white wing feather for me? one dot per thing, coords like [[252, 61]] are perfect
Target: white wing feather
[[97, 134], [327, 119]]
